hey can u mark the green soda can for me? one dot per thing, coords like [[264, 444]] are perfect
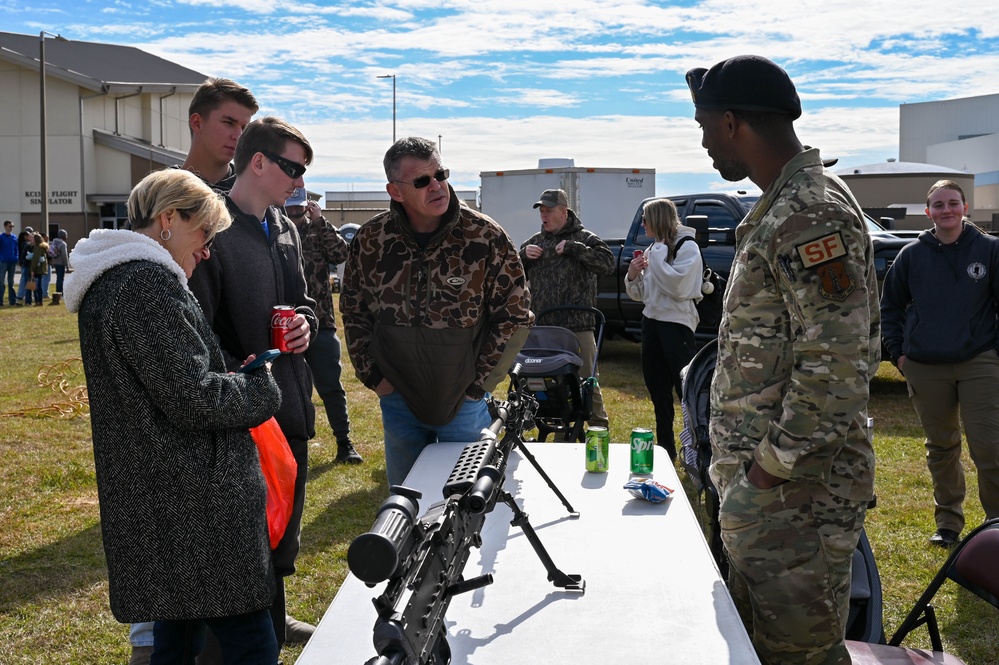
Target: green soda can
[[642, 450], [597, 450]]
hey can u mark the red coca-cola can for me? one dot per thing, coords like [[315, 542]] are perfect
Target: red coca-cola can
[[637, 253], [281, 316]]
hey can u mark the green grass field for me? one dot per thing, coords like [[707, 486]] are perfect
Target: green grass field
[[53, 597]]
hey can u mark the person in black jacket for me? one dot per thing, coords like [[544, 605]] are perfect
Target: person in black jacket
[[255, 265], [938, 314]]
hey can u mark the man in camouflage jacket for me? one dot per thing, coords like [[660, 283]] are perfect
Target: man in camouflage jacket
[[322, 246], [798, 344], [562, 263], [435, 306]]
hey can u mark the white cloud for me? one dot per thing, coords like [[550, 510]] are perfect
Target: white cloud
[[505, 81]]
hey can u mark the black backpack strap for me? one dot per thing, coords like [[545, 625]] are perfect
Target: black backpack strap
[[679, 243]]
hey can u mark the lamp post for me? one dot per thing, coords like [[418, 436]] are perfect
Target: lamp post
[[391, 76], [44, 226]]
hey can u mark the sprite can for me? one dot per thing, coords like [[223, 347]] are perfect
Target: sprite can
[[597, 450], [642, 450]]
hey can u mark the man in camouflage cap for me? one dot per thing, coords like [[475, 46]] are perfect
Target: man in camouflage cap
[[797, 346], [562, 263]]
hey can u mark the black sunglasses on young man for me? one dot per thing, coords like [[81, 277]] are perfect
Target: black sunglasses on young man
[[291, 169], [424, 180]]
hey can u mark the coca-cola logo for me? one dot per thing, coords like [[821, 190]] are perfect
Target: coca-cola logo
[[280, 320]]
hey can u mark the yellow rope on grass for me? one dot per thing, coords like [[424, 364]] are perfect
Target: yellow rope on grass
[[64, 377]]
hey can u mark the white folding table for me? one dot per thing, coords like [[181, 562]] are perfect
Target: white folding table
[[653, 592]]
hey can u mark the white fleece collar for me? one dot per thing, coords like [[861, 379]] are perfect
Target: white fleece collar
[[104, 249]]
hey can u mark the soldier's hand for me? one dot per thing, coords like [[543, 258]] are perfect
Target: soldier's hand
[[532, 252], [761, 478]]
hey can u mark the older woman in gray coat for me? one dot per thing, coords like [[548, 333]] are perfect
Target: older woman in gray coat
[[182, 497]]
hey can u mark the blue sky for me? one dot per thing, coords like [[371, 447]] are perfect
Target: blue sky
[[506, 83]]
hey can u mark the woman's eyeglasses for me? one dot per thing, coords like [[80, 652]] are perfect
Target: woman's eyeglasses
[[291, 169], [424, 180]]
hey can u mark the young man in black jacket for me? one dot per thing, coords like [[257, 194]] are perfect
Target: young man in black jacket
[[255, 265]]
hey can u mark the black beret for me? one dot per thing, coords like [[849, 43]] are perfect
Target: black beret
[[744, 83]]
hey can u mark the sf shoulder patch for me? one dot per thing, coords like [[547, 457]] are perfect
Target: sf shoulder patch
[[822, 250]]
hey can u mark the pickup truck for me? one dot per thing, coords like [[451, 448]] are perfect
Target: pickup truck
[[714, 216]]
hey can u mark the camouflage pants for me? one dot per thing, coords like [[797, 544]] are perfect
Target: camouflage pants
[[791, 549]]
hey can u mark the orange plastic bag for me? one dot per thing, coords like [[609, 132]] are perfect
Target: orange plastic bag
[[279, 468]]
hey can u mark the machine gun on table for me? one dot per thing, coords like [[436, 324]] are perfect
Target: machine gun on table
[[423, 557]]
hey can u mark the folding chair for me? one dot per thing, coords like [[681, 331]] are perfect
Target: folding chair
[[972, 564]]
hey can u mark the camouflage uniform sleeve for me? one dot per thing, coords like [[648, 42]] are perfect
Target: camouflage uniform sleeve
[[334, 247], [822, 260], [533, 240], [358, 320], [593, 253], [508, 311]]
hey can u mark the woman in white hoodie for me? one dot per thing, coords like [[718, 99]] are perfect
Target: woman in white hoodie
[[669, 283]]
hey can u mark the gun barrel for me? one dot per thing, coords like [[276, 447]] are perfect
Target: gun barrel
[[374, 556], [482, 490]]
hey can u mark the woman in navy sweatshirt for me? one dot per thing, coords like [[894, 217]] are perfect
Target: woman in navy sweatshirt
[[938, 320]]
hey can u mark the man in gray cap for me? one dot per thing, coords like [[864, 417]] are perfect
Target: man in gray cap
[[797, 347], [322, 245], [562, 262]]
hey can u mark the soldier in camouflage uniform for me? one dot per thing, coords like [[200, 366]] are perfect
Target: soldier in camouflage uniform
[[322, 246], [435, 306], [797, 347], [562, 263]]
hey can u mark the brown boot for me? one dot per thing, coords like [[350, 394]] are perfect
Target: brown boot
[[56, 297]]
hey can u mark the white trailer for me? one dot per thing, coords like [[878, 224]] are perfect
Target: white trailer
[[605, 199]]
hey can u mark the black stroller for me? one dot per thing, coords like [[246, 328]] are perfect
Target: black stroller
[[550, 366], [865, 622]]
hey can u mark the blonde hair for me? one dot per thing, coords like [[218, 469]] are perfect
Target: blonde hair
[[176, 189], [661, 220]]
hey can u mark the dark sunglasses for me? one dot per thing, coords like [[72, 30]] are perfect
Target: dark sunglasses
[[424, 180], [291, 169]]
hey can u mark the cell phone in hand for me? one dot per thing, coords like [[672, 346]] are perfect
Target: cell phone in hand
[[264, 357]]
